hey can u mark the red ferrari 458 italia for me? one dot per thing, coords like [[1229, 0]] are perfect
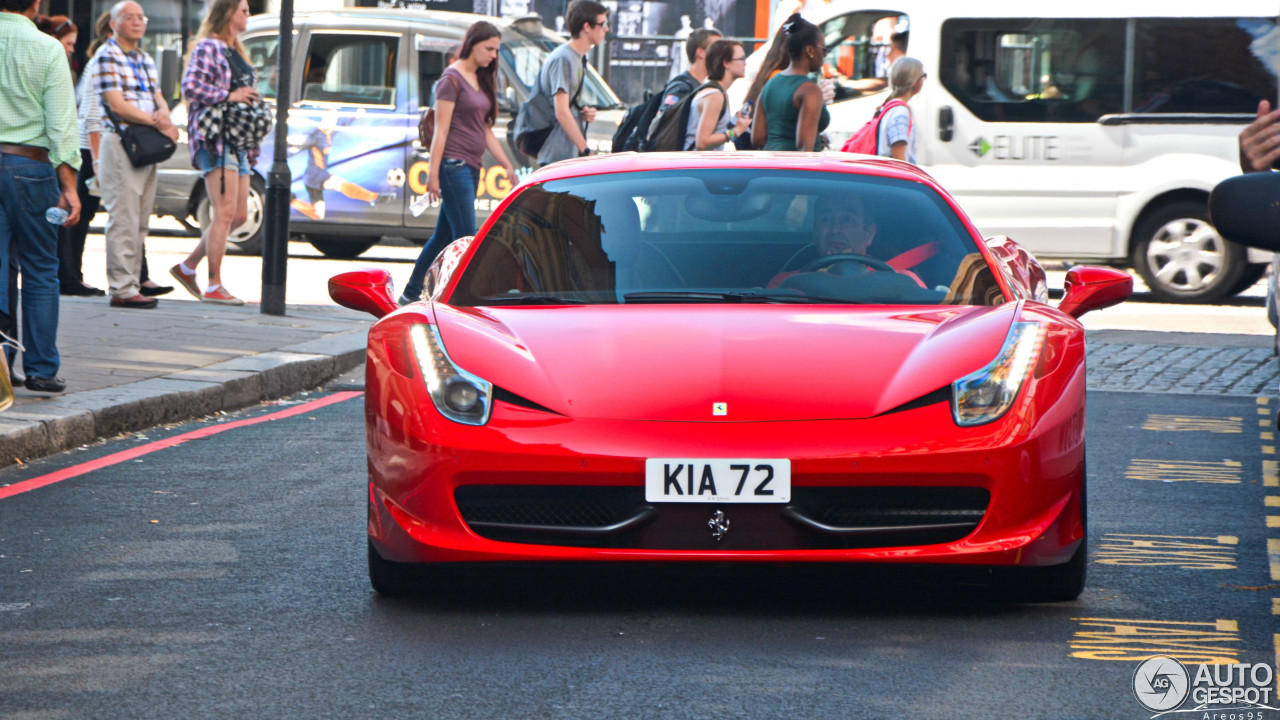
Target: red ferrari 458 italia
[[730, 357]]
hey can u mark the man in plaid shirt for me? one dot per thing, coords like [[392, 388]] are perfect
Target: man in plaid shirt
[[125, 80], [38, 154]]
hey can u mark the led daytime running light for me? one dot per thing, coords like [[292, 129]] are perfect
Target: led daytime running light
[[986, 395], [440, 373]]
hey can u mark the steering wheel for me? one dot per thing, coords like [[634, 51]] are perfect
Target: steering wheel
[[828, 260]]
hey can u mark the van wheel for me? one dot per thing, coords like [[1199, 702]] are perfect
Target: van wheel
[[1182, 258], [246, 239], [339, 247]]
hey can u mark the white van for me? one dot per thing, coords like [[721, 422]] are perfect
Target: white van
[[1093, 132]]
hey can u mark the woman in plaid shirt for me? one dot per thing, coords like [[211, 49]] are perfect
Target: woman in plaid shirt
[[218, 70]]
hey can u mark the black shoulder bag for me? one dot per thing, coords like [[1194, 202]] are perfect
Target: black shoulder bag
[[144, 144]]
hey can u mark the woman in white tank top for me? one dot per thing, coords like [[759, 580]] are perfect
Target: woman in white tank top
[[708, 127]]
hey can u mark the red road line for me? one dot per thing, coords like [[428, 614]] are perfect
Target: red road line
[[131, 453]]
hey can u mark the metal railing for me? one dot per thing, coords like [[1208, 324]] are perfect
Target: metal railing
[[634, 63]]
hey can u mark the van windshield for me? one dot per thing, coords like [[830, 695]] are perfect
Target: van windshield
[[525, 57]]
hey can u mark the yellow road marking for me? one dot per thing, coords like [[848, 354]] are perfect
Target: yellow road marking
[[1131, 640], [1275, 606], [1268, 449], [1272, 500], [1192, 423], [1273, 521], [1226, 472], [1264, 423], [1267, 436], [1271, 473], [1184, 551], [1264, 411], [1273, 557], [1264, 400]]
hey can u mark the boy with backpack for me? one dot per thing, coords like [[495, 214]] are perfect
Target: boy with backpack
[[641, 121], [559, 84]]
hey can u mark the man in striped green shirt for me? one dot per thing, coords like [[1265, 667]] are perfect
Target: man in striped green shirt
[[39, 157]]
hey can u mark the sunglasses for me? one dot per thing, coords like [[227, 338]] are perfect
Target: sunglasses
[[65, 24]]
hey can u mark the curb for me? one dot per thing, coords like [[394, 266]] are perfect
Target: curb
[[66, 421]]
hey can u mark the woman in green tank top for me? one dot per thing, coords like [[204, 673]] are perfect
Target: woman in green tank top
[[791, 112]]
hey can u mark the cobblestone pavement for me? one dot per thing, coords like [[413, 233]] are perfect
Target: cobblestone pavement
[[1167, 367]]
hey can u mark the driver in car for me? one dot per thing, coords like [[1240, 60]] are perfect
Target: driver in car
[[841, 229]]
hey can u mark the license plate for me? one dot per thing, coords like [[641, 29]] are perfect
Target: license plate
[[717, 481]]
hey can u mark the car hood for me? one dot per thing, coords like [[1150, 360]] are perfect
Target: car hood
[[772, 362]]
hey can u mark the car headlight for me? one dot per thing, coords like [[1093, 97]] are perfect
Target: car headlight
[[985, 395], [456, 393]]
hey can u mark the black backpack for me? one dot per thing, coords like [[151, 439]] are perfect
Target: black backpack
[[648, 123], [672, 125], [629, 134]]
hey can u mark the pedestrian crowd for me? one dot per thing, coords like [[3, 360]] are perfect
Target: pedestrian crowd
[[68, 148], [785, 110]]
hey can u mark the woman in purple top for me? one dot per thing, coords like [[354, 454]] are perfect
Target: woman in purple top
[[218, 70], [466, 106]]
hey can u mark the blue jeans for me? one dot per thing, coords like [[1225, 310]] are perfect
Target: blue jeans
[[27, 189], [207, 164], [458, 183]]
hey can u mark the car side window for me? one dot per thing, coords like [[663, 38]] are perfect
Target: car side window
[[860, 48], [351, 69], [263, 55], [1230, 70], [1035, 70], [431, 65]]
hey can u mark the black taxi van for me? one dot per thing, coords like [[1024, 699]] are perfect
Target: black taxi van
[[361, 77]]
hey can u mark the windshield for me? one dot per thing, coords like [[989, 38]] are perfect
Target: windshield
[[727, 236], [525, 57]]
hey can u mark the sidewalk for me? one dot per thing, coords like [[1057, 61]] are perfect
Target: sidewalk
[[132, 369]]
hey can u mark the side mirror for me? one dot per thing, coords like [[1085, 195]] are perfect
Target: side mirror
[[446, 263], [365, 290], [1094, 288], [1246, 209]]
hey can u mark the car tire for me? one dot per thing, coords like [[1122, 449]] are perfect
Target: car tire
[[391, 579], [1252, 274], [1183, 259], [246, 239], [1056, 583], [341, 248]]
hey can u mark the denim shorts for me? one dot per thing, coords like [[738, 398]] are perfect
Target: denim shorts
[[206, 165]]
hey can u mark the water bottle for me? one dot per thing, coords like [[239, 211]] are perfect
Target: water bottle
[[56, 215], [420, 205]]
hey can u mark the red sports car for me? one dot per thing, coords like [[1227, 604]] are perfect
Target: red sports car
[[730, 357]]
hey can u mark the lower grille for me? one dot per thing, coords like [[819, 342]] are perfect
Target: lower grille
[[817, 518]]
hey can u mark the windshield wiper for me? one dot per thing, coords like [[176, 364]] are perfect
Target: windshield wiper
[[534, 299], [736, 296]]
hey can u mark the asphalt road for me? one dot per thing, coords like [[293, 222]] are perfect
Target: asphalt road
[[225, 577]]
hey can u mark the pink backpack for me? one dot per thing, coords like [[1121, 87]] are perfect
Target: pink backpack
[[867, 139]]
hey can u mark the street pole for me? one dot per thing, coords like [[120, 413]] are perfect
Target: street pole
[[275, 241]]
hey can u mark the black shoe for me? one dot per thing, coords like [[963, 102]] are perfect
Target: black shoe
[[80, 290], [154, 291], [49, 385]]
